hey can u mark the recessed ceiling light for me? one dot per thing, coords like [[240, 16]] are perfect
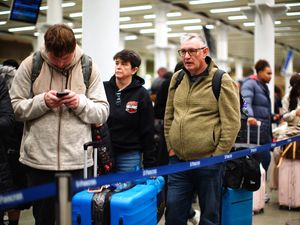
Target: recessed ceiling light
[[249, 24], [192, 28], [292, 4], [198, 2], [171, 14], [16, 29], [63, 5], [135, 8], [277, 22], [152, 30], [124, 18], [225, 10], [293, 13], [78, 36], [210, 26], [77, 30], [241, 17], [135, 25], [175, 34], [177, 22], [130, 38], [74, 15], [4, 12], [282, 28]]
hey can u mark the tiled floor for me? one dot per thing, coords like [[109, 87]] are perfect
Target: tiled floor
[[272, 215]]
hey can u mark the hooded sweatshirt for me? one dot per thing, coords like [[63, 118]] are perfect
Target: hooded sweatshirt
[[131, 119], [53, 138]]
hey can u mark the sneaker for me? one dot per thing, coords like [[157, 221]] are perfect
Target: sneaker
[[196, 218]]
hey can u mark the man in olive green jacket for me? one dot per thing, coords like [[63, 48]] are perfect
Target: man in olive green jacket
[[197, 125]]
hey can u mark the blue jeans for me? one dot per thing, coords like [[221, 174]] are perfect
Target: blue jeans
[[128, 161], [206, 182]]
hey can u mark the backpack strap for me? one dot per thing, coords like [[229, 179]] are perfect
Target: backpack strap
[[37, 62], [86, 66], [179, 78], [216, 83]]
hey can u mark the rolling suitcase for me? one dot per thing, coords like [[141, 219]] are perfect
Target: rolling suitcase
[[289, 183], [82, 202], [142, 204], [236, 207], [259, 195]]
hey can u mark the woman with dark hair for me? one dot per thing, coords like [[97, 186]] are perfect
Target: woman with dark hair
[[291, 102], [131, 118]]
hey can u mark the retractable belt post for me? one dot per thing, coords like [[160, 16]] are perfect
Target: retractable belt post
[[64, 209]]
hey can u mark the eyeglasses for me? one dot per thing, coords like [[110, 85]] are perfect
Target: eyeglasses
[[191, 51], [118, 98]]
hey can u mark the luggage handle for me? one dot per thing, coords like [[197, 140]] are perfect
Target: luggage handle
[[95, 145], [258, 132]]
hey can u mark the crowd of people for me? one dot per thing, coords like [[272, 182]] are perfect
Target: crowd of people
[[45, 122]]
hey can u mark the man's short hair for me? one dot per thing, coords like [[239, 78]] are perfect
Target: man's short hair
[[60, 40], [190, 36], [129, 56], [261, 65]]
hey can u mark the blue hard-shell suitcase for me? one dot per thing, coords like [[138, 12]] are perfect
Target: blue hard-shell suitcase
[[143, 204], [237, 207], [139, 205]]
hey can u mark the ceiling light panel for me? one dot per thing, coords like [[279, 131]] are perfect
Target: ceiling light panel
[[225, 10], [135, 25], [135, 8], [179, 22], [200, 2], [17, 29]]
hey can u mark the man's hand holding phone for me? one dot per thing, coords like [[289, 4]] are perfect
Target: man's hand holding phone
[[61, 94], [71, 99]]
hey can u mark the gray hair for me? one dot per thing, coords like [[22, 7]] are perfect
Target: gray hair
[[189, 36]]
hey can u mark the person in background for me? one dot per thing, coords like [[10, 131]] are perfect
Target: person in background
[[6, 126], [13, 143], [291, 102], [55, 128], [256, 93], [131, 118], [197, 125], [157, 82], [277, 100]]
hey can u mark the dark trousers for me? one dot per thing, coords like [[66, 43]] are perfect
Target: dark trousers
[[44, 209]]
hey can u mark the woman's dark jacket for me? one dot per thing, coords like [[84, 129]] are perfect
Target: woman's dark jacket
[[6, 127], [131, 119]]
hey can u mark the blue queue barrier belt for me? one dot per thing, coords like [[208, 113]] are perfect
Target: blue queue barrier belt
[[11, 199]]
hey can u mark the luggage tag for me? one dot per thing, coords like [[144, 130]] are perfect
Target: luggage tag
[[98, 189]]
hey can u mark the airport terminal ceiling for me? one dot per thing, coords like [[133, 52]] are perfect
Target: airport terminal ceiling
[[195, 15]]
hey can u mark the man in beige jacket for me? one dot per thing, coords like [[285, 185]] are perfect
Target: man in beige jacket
[[56, 127]]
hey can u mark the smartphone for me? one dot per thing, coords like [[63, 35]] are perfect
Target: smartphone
[[61, 94]]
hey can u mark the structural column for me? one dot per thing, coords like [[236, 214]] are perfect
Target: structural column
[[161, 36], [238, 70], [172, 57], [222, 46], [265, 12], [100, 33]]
